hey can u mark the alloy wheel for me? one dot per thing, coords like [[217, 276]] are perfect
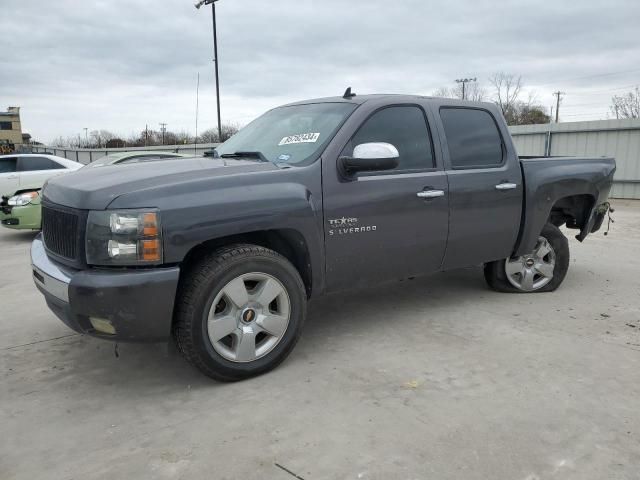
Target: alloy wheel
[[532, 271], [248, 317]]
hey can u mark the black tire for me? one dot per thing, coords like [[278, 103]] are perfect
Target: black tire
[[198, 288], [496, 277]]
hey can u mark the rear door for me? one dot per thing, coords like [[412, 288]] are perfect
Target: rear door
[[379, 226], [485, 186], [34, 171], [8, 176]]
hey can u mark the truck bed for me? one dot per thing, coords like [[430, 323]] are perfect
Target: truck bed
[[548, 180]]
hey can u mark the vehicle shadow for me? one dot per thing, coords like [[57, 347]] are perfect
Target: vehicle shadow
[[158, 367], [362, 311]]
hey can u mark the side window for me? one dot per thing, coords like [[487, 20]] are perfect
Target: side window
[[7, 165], [405, 128], [31, 164], [473, 138]]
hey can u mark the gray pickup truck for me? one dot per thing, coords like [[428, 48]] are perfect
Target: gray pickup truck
[[311, 198]]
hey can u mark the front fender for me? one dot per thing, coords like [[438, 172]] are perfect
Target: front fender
[[238, 210]]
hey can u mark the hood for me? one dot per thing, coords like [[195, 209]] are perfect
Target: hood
[[96, 188]]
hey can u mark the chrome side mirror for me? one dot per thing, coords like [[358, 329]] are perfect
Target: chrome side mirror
[[371, 157]]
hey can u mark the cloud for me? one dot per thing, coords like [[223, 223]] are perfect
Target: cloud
[[119, 65]]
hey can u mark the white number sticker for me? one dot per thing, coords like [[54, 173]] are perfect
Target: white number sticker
[[300, 138]]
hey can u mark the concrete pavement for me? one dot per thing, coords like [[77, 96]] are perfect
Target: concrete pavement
[[435, 378]]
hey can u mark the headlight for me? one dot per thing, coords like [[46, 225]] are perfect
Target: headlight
[[22, 199], [124, 237]]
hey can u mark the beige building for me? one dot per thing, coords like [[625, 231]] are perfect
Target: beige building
[[10, 127]]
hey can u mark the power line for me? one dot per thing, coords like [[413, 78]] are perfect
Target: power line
[[586, 77], [608, 90]]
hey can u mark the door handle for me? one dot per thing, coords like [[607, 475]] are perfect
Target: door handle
[[430, 193], [11, 177], [506, 186]]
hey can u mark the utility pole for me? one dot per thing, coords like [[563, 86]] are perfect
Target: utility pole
[[163, 129], [86, 137], [146, 135], [215, 57], [558, 94], [464, 81], [195, 141]]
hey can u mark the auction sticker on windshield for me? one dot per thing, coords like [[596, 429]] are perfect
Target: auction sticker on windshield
[[300, 138]]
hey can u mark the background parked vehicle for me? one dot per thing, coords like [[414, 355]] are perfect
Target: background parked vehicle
[[21, 179], [134, 157], [310, 198]]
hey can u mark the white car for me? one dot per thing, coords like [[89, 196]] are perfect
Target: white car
[[19, 172]]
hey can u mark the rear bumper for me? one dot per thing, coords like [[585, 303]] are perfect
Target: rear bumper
[[134, 305]]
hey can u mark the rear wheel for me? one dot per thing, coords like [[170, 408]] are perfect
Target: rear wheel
[[240, 312], [541, 270]]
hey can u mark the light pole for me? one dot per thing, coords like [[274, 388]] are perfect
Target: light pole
[[215, 57], [464, 81]]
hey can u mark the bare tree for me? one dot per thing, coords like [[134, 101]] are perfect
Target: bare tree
[[627, 105], [473, 92], [98, 138], [59, 142], [211, 135], [443, 92], [506, 90]]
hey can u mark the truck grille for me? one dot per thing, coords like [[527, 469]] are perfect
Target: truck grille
[[60, 230]]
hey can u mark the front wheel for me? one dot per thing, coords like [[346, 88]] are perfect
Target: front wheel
[[239, 312], [541, 270]]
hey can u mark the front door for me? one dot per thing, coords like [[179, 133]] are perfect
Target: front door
[[381, 226]]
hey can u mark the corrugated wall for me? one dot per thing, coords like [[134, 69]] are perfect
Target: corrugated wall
[[615, 138], [88, 155]]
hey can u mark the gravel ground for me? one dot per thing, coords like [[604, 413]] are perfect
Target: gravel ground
[[434, 378]]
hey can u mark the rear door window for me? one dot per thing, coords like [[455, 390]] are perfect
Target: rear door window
[[7, 165], [472, 137]]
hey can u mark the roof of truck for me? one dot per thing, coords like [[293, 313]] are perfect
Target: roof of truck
[[360, 99]]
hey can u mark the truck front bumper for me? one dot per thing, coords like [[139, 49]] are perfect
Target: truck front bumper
[[129, 305]]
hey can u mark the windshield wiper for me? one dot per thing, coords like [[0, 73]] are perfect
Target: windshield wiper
[[256, 154]]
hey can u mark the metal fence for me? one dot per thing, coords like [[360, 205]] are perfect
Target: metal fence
[[614, 138], [88, 155]]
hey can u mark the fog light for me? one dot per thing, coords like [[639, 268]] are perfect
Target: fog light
[[103, 325]]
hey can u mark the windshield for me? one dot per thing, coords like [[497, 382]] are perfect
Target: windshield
[[292, 135]]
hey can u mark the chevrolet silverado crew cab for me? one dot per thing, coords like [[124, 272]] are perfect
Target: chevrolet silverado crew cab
[[320, 196]]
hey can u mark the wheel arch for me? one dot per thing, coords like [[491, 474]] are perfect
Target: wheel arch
[[572, 210], [289, 243]]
